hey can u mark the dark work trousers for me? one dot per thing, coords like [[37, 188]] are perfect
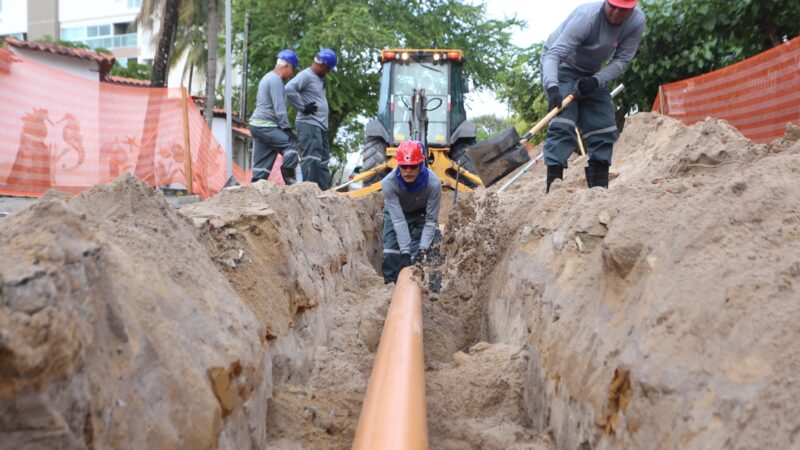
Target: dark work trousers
[[593, 115], [267, 143], [391, 249], [315, 154]]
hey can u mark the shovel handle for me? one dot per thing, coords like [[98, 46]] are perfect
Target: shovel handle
[[546, 119]]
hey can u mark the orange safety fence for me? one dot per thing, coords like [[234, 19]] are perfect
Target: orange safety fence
[[758, 96], [244, 176], [62, 131]]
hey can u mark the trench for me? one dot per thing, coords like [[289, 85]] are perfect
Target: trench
[[660, 313]]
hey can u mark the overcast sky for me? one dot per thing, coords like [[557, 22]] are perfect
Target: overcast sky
[[541, 17]]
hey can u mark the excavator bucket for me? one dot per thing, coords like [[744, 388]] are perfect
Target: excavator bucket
[[498, 156]]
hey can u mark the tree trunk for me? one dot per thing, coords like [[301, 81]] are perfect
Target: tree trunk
[[166, 35], [212, 26]]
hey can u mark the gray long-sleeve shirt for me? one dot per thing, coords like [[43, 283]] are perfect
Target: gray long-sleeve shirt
[[305, 88], [270, 102], [586, 40], [399, 203]]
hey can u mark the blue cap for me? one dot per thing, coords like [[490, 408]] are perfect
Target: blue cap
[[328, 57], [290, 57]]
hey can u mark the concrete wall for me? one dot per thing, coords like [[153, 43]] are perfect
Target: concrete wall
[[242, 152], [79, 67], [43, 19], [14, 17]]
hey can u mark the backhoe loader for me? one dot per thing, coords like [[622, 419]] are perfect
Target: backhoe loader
[[421, 98]]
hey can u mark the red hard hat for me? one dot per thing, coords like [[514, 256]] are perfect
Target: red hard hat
[[409, 153], [625, 4]]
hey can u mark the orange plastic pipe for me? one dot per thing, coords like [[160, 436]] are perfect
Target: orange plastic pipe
[[394, 415]]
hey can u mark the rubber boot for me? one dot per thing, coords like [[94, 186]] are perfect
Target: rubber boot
[[289, 176], [596, 175], [553, 173]]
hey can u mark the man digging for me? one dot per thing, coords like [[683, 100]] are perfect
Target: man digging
[[411, 199]]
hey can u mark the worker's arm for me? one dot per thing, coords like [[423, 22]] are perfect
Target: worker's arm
[[575, 31], [278, 97], [624, 53], [293, 89], [391, 202], [431, 215]]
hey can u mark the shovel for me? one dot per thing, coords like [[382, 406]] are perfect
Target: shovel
[[500, 155]]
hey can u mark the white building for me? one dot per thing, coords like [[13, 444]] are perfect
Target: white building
[[108, 24], [13, 18]]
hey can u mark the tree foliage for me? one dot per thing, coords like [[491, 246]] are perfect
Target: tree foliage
[[521, 87], [357, 31], [133, 70], [684, 38]]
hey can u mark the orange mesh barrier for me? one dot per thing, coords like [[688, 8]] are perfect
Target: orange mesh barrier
[[758, 96], [58, 130], [244, 176]]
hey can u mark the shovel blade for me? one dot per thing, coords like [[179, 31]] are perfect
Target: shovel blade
[[498, 156]]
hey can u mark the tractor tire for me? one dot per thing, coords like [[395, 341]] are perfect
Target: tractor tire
[[373, 154], [458, 153]]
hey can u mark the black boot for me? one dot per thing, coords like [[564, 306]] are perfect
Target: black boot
[[288, 176], [597, 175], [553, 173]]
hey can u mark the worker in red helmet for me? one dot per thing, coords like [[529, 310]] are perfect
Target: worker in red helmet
[[411, 198], [583, 56]]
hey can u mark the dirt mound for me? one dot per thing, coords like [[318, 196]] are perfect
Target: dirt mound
[[659, 312], [117, 331]]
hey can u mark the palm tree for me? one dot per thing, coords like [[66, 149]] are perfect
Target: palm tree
[[167, 10], [181, 31]]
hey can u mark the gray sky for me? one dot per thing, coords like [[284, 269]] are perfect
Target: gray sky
[[542, 17]]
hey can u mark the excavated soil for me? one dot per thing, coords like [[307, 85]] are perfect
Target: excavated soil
[[660, 313]]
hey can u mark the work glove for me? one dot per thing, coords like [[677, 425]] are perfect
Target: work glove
[[586, 85], [554, 98], [292, 137], [310, 108], [405, 260]]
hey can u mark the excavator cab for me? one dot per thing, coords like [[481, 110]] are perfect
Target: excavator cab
[[421, 98]]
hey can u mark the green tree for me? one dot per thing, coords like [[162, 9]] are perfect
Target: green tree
[[684, 38], [358, 30], [133, 70], [521, 87]]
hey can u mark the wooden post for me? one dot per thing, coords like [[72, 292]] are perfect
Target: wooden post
[[661, 104], [188, 170], [580, 141]]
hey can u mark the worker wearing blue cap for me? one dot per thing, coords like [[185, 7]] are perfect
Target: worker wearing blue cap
[[269, 124], [306, 93]]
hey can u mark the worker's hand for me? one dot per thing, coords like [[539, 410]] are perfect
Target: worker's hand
[[586, 85], [554, 98], [405, 260], [310, 108], [292, 137]]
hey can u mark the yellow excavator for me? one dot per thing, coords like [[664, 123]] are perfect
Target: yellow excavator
[[421, 99]]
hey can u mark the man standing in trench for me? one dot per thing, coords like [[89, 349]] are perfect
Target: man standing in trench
[[572, 62], [411, 199], [269, 124], [306, 93]]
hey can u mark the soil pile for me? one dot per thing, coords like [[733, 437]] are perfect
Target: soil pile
[[661, 312], [119, 327], [116, 330]]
